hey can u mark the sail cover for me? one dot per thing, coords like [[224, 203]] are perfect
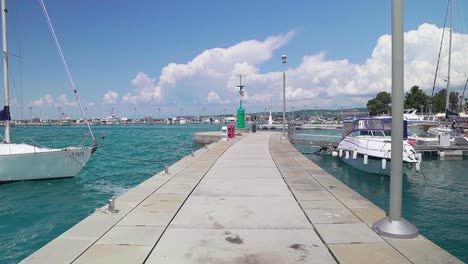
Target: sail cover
[[5, 113]]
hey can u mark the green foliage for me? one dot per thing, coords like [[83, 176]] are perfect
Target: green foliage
[[438, 101], [380, 104], [416, 98]]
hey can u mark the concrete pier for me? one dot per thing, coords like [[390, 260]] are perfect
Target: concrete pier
[[253, 199]]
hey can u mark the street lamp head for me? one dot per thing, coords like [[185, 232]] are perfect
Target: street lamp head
[[283, 59]]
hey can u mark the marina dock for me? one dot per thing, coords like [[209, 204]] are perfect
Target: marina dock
[[252, 199]]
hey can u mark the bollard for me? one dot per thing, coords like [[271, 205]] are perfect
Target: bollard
[[206, 146], [192, 155], [112, 205], [166, 170]]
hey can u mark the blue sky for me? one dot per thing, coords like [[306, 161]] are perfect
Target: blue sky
[[183, 56]]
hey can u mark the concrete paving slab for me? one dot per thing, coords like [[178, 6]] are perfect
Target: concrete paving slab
[[354, 202], [381, 253], [240, 212], [421, 250], [168, 197], [331, 216], [313, 196], [176, 188], [240, 246], [59, 251], [242, 187], [347, 233], [132, 235], [300, 180], [305, 187], [93, 227], [369, 215], [317, 172], [115, 254], [243, 173], [147, 219], [243, 156], [245, 163], [157, 206], [324, 204]]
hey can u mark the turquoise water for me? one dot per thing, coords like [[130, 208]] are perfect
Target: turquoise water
[[32, 213], [435, 201]]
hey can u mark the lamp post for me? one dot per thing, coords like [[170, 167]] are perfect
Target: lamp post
[[30, 113], [394, 225], [283, 60]]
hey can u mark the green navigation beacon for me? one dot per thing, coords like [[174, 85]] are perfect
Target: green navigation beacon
[[241, 111]]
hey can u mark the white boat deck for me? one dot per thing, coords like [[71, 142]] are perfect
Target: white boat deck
[[254, 199]]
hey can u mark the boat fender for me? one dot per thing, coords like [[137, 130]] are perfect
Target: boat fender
[[384, 164], [334, 154], [419, 156], [341, 153], [365, 159], [442, 154], [418, 166], [354, 154], [347, 155]]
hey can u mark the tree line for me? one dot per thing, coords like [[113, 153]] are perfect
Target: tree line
[[418, 99]]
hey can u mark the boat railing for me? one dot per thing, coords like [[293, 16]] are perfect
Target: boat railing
[[60, 141]]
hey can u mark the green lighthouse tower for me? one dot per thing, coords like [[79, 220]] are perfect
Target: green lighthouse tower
[[241, 111]]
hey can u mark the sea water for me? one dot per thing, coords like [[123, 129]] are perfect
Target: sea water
[[434, 200], [32, 213]]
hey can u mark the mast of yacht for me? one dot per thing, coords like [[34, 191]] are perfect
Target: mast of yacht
[[6, 109], [447, 106]]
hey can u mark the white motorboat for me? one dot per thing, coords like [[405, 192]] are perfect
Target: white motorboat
[[366, 145], [29, 161]]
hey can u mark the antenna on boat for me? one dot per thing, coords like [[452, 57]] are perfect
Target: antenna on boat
[[75, 92]]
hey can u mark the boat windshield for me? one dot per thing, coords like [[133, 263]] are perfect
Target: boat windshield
[[376, 133], [376, 127]]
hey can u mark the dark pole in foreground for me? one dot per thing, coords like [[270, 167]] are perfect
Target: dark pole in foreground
[[394, 225]]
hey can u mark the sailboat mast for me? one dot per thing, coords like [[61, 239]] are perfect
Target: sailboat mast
[[447, 103], [5, 71]]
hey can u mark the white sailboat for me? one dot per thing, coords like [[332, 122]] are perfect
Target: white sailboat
[[20, 161]]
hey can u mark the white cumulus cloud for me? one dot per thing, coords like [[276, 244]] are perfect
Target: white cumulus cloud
[[211, 77], [110, 97], [146, 90]]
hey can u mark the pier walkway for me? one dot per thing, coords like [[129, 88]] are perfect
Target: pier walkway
[[254, 199]]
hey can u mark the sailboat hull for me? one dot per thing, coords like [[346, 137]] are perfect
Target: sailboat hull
[[25, 162]]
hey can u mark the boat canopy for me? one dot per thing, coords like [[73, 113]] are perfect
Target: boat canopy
[[371, 124]]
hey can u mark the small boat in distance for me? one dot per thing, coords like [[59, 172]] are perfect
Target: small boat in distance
[[366, 145], [44, 120]]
